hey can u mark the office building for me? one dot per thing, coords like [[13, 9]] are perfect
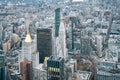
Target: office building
[[44, 43], [35, 54], [103, 75], [29, 50], [57, 21], [60, 36], [85, 46], [55, 68], [28, 45], [40, 73], [2, 67], [1, 33], [5, 47], [108, 70], [70, 68], [69, 35], [35, 59], [26, 70], [61, 42]]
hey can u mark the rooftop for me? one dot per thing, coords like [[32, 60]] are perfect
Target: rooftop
[[40, 67], [107, 73], [85, 75], [28, 38]]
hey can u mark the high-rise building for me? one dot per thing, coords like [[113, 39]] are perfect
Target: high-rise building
[[70, 42], [57, 21], [55, 68], [102, 75], [2, 67], [1, 32], [35, 59], [26, 70], [85, 46], [60, 36], [27, 47], [35, 54], [44, 43], [29, 50], [40, 73], [61, 42]]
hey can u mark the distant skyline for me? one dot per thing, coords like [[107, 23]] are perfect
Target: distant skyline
[[77, 0]]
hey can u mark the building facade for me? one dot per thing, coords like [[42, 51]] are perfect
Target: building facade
[[55, 69], [26, 70], [44, 43], [85, 46], [29, 50], [102, 75], [2, 67]]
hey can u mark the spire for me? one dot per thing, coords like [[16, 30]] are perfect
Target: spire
[[28, 37]]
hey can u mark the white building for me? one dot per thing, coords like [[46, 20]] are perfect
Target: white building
[[39, 73], [29, 50], [61, 42], [35, 54]]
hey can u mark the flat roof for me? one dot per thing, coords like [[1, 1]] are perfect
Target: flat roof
[[39, 67], [85, 75], [107, 73]]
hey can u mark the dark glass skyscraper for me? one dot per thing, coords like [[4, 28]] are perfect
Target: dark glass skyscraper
[[57, 21], [44, 43], [55, 69], [2, 67]]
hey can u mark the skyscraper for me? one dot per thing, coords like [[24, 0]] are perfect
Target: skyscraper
[[35, 54], [57, 21], [29, 49], [60, 36], [44, 42], [27, 45], [1, 32], [61, 42], [70, 42], [2, 67], [55, 68], [85, 46], [26, 70]]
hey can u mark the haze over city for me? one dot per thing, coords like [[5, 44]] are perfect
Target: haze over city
[[59, 40]]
